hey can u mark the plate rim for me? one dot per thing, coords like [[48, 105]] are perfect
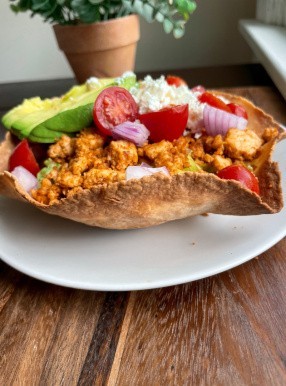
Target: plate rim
[[149, 285]]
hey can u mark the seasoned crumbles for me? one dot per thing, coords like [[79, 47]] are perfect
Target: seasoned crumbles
[[90, 159]]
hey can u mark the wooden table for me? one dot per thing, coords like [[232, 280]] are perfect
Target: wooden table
[[228, 329]]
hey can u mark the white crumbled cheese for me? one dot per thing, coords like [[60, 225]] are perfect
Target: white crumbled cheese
[[92, 82], [156, 94], [124, 76], [128, 74]]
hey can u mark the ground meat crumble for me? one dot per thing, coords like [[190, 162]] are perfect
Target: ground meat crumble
[[90, 159]]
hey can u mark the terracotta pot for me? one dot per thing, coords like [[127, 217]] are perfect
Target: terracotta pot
[[104, 49]]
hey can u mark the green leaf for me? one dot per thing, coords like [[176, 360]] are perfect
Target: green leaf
[[168, 26], [86, 12], [95, 2], [21, 6], [44, 4], [138, 7], [178, 32], [14, 8], [148, 12], [159, 17], [185, 6]]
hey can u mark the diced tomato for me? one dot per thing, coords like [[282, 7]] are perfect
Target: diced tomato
[[114, 105], [173, 80], [238, 110], [168, 123], [241, 174], [23, 156], [214, 101]]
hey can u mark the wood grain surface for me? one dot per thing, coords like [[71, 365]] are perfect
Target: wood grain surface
[[228, 329]]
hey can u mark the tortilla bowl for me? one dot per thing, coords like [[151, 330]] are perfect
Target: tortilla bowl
[[156, 199]]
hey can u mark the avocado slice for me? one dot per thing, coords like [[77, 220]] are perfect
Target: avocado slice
[[45, 120]]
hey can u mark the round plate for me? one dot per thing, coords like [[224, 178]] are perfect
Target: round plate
[[74, 255]]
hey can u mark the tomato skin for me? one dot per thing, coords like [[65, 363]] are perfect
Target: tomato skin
[[168, 123], [114, 105], [241, 174], [238, 110], [23, 156], [173, 80], [214, 101]]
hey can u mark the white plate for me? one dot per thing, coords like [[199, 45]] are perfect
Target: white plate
[[63, 252]]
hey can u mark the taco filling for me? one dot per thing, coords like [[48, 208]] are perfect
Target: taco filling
[[91, 159], [195, 146]]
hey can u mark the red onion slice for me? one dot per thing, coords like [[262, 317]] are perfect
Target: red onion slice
[[25, 178], [218, 121], [137, 172], [131, 131]]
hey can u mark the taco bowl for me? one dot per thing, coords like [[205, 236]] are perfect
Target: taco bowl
[[158, 198]]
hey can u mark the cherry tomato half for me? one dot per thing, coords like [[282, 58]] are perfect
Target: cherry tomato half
[[173, 80], [168, 123], [23, 156], [241, 174], [238, 110], [114, 105], [214, 101]]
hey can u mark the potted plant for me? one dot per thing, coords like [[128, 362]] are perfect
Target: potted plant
[[99, 37]]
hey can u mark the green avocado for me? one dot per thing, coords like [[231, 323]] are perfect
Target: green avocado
[[45, 120]]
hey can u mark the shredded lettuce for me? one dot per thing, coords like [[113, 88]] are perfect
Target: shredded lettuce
[[193, 166], [49, 165]]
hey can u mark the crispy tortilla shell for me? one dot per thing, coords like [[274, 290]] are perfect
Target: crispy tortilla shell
[[158, 198]]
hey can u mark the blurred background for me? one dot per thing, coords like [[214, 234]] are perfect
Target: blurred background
[[29, 50]]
